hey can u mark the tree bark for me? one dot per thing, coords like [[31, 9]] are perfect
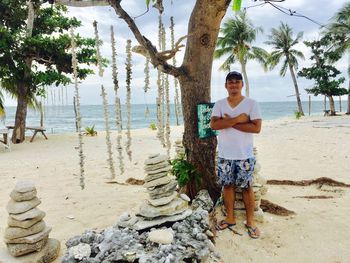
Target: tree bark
[[297, 94], [331, 105], [18, 134], [203, 30], [245, 77]]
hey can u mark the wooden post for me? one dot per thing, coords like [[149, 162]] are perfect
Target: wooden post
[[176, 113], [75, 113], [339, 103], [309, 105], [41, 114]]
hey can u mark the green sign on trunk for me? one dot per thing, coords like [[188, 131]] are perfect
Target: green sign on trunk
[[204, 115]]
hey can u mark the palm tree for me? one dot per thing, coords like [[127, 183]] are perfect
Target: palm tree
[[237, 37], [2, 107], [282, 41], [340, 27], [32, 101]]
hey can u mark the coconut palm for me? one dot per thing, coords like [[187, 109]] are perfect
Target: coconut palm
[[2, 107], [32, 101], [237, 37], [340, 27], [282, 41]]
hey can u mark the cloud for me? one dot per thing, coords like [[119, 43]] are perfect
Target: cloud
[[265, 86]]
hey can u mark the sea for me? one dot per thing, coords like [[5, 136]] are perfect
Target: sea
[[61, 118]]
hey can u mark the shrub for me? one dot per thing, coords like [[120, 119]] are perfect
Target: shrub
[[184, 171], [153, 126], [90, 131], [297, 114]]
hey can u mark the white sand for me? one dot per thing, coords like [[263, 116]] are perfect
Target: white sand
[[287, 149]]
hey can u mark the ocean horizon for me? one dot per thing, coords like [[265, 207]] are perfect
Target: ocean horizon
[[61, 118]]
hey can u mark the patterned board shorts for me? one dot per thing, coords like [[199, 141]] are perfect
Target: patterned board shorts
[[236, 172]]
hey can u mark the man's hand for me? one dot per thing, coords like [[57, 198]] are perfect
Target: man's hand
[[243, 118], [226, 121]]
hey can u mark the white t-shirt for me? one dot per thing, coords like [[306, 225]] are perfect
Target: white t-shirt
[[234, 144]]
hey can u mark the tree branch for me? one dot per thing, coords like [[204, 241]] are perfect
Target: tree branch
[[82, 3], [45, 61], [156, 59]]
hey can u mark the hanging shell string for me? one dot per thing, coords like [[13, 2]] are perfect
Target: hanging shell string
[[128, 98], [108, 133], [98, 54], [30, 19], [160, 99], [78, 116], [147, 82], [117, 108], [167, 101], [176, 83]]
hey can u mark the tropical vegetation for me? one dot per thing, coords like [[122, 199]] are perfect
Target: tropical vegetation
[[236, 40], [323, 72], [339, 28], [34, 48], [282, 41]]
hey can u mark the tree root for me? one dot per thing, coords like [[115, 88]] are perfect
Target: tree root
[[320, 181], [315, 196], [274, 209]]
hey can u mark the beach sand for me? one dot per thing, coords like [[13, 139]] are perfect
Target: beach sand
[[287, 149]]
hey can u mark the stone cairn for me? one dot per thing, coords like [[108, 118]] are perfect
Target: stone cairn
[[179, 148], [188, 240], [27, 232], [164, 203], [259, 188]]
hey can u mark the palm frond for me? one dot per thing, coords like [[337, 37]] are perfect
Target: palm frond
[[227, 63], [284, 68], [222, 51], [282, 41]]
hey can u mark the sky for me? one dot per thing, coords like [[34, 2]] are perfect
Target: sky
[[264, 86]]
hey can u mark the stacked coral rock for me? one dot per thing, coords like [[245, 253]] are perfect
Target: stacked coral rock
[[259, 188], [179, 148], [27, 232], [164, 204]]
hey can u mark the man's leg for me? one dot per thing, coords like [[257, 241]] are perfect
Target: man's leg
[[249, 203], [229, 201]]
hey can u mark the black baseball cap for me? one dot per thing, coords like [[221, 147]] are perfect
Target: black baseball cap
[[234, 75]]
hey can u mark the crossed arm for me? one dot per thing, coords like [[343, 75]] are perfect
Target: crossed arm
[[241, 123]]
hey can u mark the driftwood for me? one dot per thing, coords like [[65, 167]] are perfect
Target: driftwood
[[134, 181], [272, 208], [315, 196], [320, 181]]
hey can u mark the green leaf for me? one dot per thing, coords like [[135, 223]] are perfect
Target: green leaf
[[236, 5]]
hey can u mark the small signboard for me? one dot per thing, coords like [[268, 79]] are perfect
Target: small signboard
[[204, 115]]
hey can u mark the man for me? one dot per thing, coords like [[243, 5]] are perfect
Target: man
[[237, 118]]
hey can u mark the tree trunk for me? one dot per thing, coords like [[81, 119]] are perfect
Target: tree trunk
[[297, 94], [203, 31], [18, 134], [245, 77], [331, 105]]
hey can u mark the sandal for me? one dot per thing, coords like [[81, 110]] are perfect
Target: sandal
[[222, 225], [253, 232]]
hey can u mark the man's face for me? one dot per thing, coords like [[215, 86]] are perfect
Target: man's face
[[234, 86]]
